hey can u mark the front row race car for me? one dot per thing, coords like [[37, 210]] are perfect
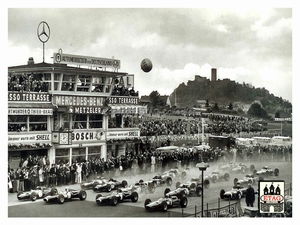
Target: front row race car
[[237, 192], [66, 195], [164, 203], [38, 193], [119, 195]]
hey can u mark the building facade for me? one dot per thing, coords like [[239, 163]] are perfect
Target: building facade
[[73, 109]]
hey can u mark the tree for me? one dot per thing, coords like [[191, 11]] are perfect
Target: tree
[[230, 107], [155, 100], [216, 108], [257, 111]]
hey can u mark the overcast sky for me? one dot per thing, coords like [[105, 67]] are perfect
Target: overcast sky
[[251, 45]]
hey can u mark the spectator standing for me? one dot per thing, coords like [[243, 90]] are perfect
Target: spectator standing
[[250, 196], [153, 162]]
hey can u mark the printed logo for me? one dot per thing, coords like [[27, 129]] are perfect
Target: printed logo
[[271, 196]]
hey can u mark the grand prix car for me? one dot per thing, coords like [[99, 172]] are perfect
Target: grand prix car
[[267, 171], [193, 183], [236, 168], [166, 202], [216, 176], [146, 186], [182, 191], [248, 179], [38, 193], [66, 195], [176, 173], [119, 195], [108, 185], [93, 183], [160, 179], [237, 192]]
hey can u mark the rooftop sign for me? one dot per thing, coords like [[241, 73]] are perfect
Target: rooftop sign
[[86, 61]]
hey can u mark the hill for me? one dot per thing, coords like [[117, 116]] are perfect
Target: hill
[[225, 92]]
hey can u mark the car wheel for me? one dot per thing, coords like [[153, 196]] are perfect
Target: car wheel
[[167, 190], [183, 175], [226, 176], [155, 184], [18, 195], [134, 196], [82, 195], [98, 196], [252, 167], [169, 181], [206, 184], [192, 186], [124, 183], [61, 199], [214, 179], [183, 202], [198, 191], [114, 201], [53, 191], [222, 192], [177, 184], [147, 201], [164, 206], [235, 181], [276, 172], [33, 196], [151, 188]]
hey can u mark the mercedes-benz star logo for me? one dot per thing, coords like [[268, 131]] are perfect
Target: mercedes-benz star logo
[[43, 32]]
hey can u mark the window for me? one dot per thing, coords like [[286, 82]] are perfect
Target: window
[[78, 154], [27, 123], [68, 82], [84, 83], [62, 155], [79, 121], [94, 152], [95, 121]]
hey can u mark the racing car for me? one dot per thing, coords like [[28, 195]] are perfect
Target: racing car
[[93, 183], [217, 175], [177, 173], [248, 179], [232, 167], [165, 202], [164, 178], [119, 195], [267, 171], [237, 192], [146, 186], [192, 187], [38, 193], [108, 185], [66, 195], [181, 191]]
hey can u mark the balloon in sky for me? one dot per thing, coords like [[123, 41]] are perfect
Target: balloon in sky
[[146, 65]]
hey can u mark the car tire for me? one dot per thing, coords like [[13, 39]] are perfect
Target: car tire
[[134, 196], [206, 184], [114, 200], [82, 195], [167, 190], [276, 172], [147, 201], [164, 206], [235, 180], [252, 167], [33, 196], [151, 188], [169, 181], [108, 188], [155, 184], [18, 195], [226, 176], [98, 196], [61, 199], [183, 175], [183, 202], [198, 191], [222, 192], [124, 183], [53, 191], [214, 179]]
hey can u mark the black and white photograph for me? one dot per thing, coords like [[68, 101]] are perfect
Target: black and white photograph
[[136, 111]]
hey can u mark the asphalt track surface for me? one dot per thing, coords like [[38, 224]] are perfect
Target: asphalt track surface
[[89, 208]]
